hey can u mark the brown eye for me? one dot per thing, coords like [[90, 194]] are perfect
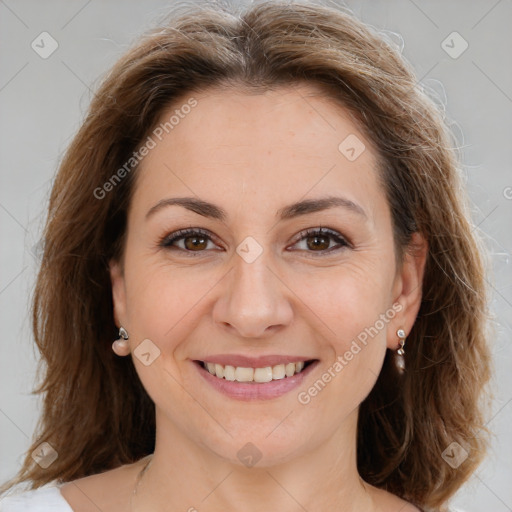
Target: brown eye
[[194, 240], [319, 241]]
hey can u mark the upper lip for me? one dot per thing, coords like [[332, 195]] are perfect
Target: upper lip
[[253, 362]]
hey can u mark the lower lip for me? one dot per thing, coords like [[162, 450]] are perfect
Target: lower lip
[[255, 390]]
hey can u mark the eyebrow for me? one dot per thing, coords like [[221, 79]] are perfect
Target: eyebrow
[[291, 211]]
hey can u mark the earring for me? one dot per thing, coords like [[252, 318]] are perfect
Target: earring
[[121, 346], [400, 362]]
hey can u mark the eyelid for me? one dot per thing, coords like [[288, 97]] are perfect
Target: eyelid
[[183, 233], [342, 241], [322, 231]]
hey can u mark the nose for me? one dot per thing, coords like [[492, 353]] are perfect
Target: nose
[[255, 302]]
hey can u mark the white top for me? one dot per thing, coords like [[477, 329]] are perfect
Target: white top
[[47, 498]]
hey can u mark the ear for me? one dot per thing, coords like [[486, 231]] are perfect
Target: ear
[[118, 292], [407, 289]]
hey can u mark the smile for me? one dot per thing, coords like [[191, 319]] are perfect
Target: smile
[[261, 383], [260, 375]]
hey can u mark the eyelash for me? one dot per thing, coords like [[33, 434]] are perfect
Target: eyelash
[[168, 240]]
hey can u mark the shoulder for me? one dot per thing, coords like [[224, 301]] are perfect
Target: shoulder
[[388, 502], [44, 499], [93, 493], [87, 494]]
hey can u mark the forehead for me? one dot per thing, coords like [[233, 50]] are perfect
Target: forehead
[[277, 146]]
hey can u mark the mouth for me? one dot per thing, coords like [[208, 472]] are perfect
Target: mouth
[[248, 383], [258, 375]]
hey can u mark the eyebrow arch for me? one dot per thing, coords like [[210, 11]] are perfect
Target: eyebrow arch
[[291, 211]]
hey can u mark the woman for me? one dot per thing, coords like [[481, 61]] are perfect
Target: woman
[[265, 211]]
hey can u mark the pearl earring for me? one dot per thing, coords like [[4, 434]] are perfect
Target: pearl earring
[[400, 362], [121, 346]]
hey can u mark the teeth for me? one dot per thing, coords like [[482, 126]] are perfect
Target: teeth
[[290, 369], [243, 374], [278, 372], [219, 370], [229, 372], [263, 374], [266, 374]]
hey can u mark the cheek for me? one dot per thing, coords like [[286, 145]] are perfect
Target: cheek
[[162, 306], [353, 307], [348, 298], [165, 302]]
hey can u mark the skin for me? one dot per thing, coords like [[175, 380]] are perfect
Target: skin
[[253, 154]]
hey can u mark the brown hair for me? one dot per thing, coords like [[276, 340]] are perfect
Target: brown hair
[[96, 414]]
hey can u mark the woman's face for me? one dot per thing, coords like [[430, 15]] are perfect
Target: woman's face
[[251, 289]]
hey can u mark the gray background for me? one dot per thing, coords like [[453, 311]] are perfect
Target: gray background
[[43, 101]]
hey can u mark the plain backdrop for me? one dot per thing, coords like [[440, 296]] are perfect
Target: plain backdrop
[[44, 100]]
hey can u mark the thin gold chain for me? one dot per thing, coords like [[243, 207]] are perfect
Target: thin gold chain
[[139, 478]]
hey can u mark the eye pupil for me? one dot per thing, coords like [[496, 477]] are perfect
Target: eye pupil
[[195, 244], [316, 244]]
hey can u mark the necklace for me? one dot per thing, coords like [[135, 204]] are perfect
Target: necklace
[[137, 482]]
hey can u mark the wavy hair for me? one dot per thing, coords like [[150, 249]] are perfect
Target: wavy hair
[[96, 413]]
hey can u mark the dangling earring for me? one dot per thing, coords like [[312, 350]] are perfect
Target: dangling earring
[[121, 346], [400, 362]]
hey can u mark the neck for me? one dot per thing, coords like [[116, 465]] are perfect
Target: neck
[[183, 475]]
